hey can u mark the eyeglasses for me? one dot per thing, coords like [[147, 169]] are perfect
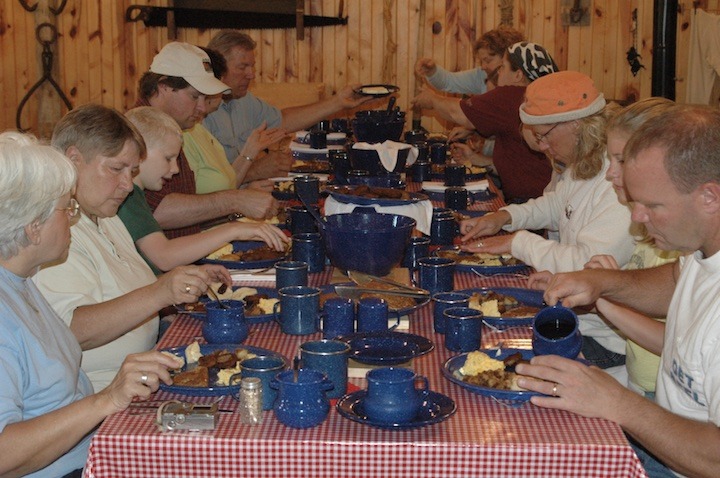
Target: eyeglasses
[[543, 138], [72, 210]]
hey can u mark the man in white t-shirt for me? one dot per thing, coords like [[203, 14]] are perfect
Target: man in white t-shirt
[[672, 175]]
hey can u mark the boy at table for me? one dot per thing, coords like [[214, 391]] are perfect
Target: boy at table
[[163, 139], [672, 174]]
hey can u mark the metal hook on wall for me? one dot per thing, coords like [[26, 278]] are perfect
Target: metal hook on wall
[[55, 11], [47, 61]]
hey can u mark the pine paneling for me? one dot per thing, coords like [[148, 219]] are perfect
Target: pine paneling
[[100, 57]]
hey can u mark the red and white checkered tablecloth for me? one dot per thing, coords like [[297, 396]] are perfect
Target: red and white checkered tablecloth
[[484, 438]]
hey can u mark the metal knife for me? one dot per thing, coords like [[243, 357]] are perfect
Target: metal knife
[[350, 292]]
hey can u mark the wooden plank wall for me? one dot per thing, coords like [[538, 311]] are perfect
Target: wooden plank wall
[[99, 57]]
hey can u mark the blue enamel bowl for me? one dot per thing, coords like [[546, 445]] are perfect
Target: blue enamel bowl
[[368, 242]]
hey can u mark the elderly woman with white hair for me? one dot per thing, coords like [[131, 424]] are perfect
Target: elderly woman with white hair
[[47, 406], [104, 290], [567, 116]]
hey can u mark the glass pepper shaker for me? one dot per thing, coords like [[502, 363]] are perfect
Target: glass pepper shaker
[[251, 401]]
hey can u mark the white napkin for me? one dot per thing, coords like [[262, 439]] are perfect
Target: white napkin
[[252, 275], [421, 211], [437, 187], [388, 151]]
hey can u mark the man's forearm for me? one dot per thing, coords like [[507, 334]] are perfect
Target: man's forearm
[[687, 446], [646, 290], [449, 108], [182, 210], [295, 118]]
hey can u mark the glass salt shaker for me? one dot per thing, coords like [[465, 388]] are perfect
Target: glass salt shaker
[[251, 401]]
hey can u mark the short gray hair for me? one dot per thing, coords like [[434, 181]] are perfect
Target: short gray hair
[[690, 138], [33, 177], [96, 129], [226, 40]]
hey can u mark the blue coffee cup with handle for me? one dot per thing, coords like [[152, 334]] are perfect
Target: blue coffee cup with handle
[[556, 331]]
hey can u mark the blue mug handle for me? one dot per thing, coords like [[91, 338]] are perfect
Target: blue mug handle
[[276, 314], [397, 314]]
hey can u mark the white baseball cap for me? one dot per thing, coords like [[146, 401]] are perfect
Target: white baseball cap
[[190, 63]]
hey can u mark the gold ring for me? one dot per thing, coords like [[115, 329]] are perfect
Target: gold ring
[[554, 390], [187, 288]]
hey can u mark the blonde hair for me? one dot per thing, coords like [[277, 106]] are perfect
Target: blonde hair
[[591, 147], [629, 119], [33, 177], [153, 124]]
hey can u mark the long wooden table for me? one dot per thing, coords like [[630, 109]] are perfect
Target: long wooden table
[[484, 438]]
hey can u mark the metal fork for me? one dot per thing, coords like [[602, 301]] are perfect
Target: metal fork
[[505, 274]]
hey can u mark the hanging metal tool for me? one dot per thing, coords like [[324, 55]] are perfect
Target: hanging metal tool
[[55, 11], [47, 62], [202, 18]]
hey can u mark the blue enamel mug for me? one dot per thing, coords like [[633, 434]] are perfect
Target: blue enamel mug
[[556, 331]]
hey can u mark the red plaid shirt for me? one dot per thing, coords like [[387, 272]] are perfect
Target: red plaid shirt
[[183, 182]]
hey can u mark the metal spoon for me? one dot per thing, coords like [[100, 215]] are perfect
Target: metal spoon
[[217, 299]]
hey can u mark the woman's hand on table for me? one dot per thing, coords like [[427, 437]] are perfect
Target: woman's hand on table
[[486, 225], [186, 284], [572, 386], [269, 234], [493, 245], [139, 376]]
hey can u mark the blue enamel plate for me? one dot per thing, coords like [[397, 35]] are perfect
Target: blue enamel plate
[[343, 194], [453, 252], [213, 390], [250, 319], [330, 288], [243, 246], [435, 409], [452, 366], [386, 347], [526, 297]]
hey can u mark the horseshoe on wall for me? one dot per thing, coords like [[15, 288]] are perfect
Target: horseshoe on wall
[[55, 11], [47, 61]]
